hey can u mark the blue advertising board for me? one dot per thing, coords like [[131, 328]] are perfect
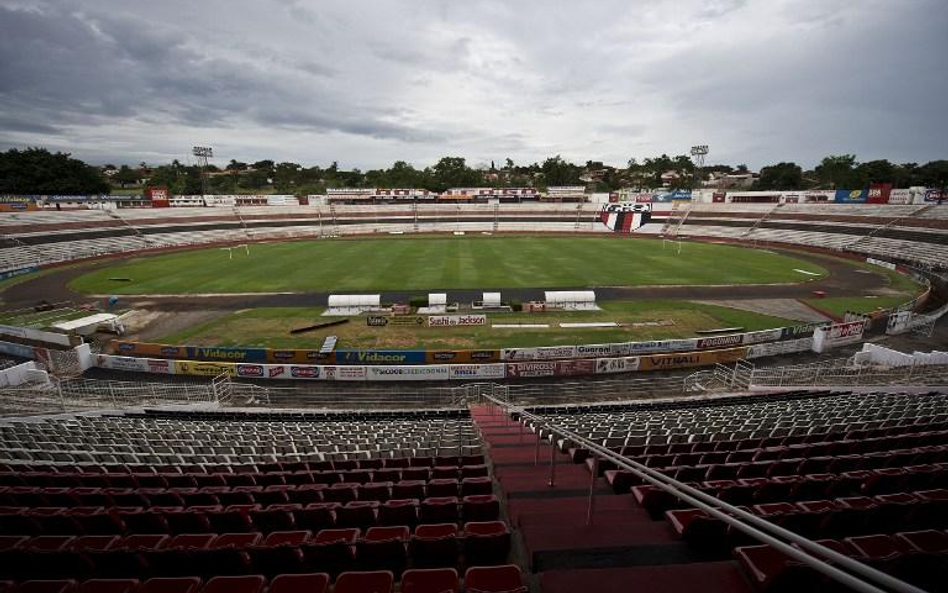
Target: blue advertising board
[[851, 196], [227, 354], [380, 357]]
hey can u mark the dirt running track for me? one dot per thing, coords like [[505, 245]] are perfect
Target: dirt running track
[[844, 280]]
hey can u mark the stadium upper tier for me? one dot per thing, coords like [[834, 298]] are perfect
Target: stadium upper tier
[[913, 233]]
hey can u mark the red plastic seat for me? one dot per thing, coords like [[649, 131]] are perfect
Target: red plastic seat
[[357, 513], [331, 550], [109, 586], [480, 507], [439, 510], [928, 541], [300, 583], [493, 579], [275, 518], [47, 586], [472, 486], [317, 516], [238, 540], [430, 580], [438, 488], [398, 512], [486, 542], [95, 542], [235, 584], [434, 545], [378, 581], [383, 548]]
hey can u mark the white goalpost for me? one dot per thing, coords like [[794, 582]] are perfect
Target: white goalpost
[[230, 250]]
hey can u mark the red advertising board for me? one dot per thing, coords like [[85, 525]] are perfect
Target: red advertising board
[[718, 196], [879, 193], [159, 197]]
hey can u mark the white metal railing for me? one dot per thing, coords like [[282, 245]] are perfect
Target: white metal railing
[[839, 567], [844, 372]]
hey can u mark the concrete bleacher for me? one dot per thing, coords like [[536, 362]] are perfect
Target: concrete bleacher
[[920, 231]]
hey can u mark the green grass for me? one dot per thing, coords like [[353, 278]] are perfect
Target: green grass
[[445, 263], [270, 327]]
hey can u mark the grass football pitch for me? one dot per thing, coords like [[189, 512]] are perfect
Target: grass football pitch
[[420, 263]]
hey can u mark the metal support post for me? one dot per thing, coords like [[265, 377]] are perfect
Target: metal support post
[[592, 491], [536, 452], [552, 463]]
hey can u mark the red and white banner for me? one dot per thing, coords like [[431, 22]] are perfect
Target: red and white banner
[[839, 334]]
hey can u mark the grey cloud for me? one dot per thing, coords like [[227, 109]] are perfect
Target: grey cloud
[[369, 83]]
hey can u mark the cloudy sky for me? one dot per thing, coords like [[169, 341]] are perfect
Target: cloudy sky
[[366, 83]]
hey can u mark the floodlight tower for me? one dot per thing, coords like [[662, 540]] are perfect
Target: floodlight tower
[[203, 153], [697, 157]]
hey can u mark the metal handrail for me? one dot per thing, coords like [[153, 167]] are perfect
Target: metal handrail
[[739, 519]]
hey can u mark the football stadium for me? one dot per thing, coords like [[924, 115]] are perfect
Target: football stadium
[[616, 296], [365, 394]]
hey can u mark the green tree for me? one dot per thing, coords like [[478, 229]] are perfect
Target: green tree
[[454, 172], [780, 176], [37, 171], [838, 172], [557, 171]]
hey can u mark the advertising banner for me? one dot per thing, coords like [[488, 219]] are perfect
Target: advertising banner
[[720, 341], [410, 320], [205, 369], [778, 348], [553, 352], [851, 196], [663, 346], [838, 334], [531, 369], [10, 203], [301, 356], [306, 372], [936, 195], [625, 364], [661, 362], [380, 357], [602, 350], [518, 354], [819, 195], [767, 335], [462, 356], [900, 196], [338, 373], [571, 368], [227, 354], [160, 365], [879, 193], [799, 331], [457, 320], [407, 373], [460, 372], [18, 272], [678, 194], [159, 197], [149, 350], [122, 363], [251, 371], [16, 349]]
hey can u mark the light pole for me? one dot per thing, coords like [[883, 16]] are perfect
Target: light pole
[[697, 157], [203, 153]]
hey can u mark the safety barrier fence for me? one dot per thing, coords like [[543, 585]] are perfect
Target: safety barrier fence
[[845, 372], [836, 566]]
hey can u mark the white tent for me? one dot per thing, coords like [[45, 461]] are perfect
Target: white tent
[[437, 303], [571, 299], [491, 299], [352, 304]]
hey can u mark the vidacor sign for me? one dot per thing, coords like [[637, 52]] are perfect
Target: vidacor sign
[[456, 320]]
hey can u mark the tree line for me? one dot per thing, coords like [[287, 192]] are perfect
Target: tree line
[[37, 171]]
